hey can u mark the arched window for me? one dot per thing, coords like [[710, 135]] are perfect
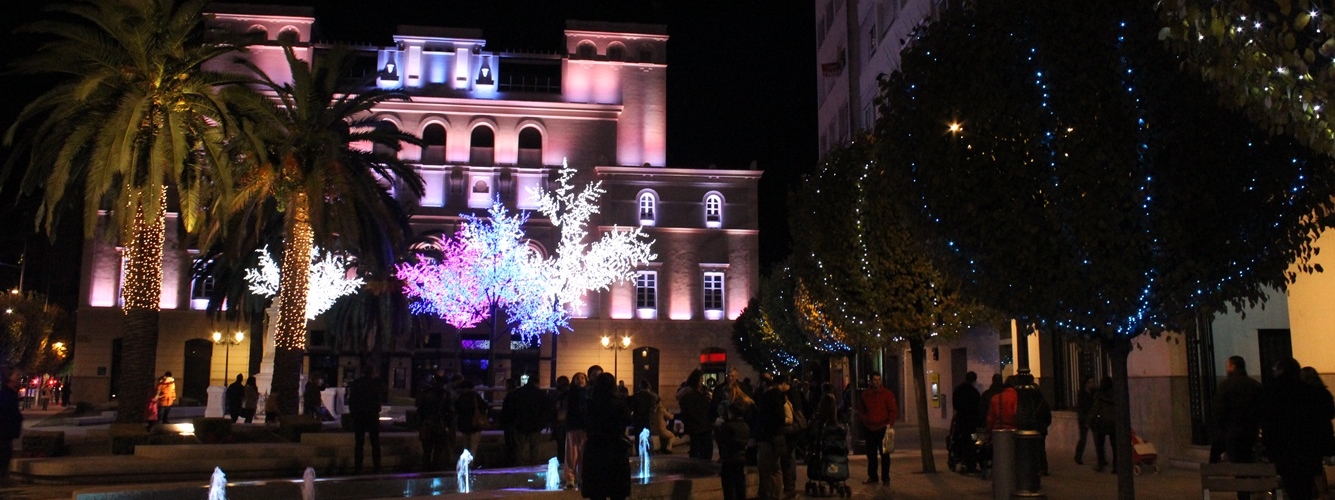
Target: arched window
[[713, 210], [616, 52], [480, 187], [646, 53], [433, 144], [648, 208], [258, 32], [530, 146], [482, 146], [586, 50], [289, 36]]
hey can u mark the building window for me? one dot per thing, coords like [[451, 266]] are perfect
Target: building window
[[482, 146], [713, 210], [201, 286], [713, 295], [586, 50], [646, 294], [616, 52], [433, 144], [648, 208], [530, 147]]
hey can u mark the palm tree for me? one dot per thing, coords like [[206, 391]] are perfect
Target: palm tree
[[304, 139], [133, 116]]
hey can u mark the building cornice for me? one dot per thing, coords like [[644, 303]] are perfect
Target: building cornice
[[679, 172], [526, 109], [685, 230]]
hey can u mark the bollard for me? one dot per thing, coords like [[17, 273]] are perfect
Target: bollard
[[1003, 464], [1027, 478]]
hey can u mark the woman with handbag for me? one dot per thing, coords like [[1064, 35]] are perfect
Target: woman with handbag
[[471, 410]]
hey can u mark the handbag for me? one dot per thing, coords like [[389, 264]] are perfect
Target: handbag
[[888, 442]]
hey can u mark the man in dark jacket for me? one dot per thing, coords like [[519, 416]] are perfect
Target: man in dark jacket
[[1295, 413], [773, 416], [1084, 401], [967, 403], [1237, 415], [643, 407], [434, 412], [233, 396], [11, 420], [364, 406], [528, 411]]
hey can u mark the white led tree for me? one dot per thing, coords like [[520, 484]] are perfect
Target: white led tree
[[328, 279], [487, 265]]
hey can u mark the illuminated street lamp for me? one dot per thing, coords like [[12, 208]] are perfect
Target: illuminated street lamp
[[616, 348], [218, 339]]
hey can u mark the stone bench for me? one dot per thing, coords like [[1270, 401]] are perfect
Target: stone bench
[[1229, 477]]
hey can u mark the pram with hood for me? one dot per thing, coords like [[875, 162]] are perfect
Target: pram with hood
[[827, 462]]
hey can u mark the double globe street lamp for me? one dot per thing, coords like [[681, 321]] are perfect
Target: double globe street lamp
[[616, 348], [219, 339]]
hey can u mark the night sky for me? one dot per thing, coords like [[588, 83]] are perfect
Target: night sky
[[741, 88]]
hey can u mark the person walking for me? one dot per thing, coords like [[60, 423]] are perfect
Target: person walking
[[471, 418], [250, 400], [1295, 414], [166, 396], [529, 415], [643, 407], [733, 434], [364, 396], [1325, 438], [774, 414], [1237, 416], [11, 420], [607, 451], [966, 401], [694, 405], [232, 397], [877, 411], [271, 410], [310, 398], [577, 416], [1084, 400], [559, 416], [1103, 424], [431, 404]]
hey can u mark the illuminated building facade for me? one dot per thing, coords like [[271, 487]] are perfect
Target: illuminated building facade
[[496, 125]]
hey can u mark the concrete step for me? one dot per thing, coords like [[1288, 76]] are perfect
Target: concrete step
[[230, 451]]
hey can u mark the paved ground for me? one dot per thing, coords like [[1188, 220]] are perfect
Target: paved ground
[[1068, 480]]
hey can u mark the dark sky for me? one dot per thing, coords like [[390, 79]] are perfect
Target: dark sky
[[741, 88]]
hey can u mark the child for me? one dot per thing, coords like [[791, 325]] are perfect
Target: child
[[732, 435]]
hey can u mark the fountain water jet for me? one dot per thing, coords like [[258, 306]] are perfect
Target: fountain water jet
[[308, 484], [644, 454], [461, 476], [553, 474], [218, 485]]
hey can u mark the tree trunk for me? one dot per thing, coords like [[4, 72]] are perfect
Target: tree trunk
[[293, 281], [141, 295], [1118, 350], [918, 353]]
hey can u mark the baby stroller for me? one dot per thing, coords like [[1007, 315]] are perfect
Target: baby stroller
[[1143, 453], [964, 448], [827, 463]]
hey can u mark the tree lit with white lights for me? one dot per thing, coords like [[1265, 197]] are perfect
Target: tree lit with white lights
[[328, 279], [488, 266]]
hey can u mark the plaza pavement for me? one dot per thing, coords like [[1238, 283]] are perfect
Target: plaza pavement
[[1068, 480]]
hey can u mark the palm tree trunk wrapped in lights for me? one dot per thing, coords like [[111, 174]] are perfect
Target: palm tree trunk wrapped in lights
[[141, 296], [290, 335]]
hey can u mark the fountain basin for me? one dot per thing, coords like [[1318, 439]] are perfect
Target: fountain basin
[[670, 477]]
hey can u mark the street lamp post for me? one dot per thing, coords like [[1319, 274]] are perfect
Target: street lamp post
[[616, 348], [218, 338]]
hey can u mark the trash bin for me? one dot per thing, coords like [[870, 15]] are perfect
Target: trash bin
[[1003, 464], [1028, 448]]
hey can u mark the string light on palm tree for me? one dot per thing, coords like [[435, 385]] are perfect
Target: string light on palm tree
[[616, 348]]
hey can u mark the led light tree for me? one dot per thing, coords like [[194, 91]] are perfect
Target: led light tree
[[1272, 60], [328, 279], [1088, 186], [868, 281], [487, 266]]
